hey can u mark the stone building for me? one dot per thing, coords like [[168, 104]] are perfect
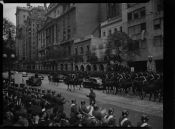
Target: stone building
[[21, 15], [65, 23]]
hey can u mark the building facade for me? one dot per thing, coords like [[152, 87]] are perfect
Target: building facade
[[65, 23], [21, 15], [142, 22]]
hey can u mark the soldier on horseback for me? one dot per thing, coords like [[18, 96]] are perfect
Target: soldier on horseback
[[123, 120]]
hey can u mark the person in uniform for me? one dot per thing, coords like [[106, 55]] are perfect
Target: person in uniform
[[92, 96], [123, 120], [109, 119], [144, 122], [74, 113], [83, 109]]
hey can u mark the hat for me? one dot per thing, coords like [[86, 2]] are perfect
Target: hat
[[125, 113], [144, 118]]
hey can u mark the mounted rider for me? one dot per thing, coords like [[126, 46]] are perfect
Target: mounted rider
[[123, 120]]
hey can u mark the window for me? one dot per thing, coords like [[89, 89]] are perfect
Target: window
[[81, 50], [110, 32], [87, 48], [76, 51], [104, 33], [143, 44], [142, 13], [120, 28], [115, 30], [129, 16], [143, 26], [158, 41], [136, 15], [157, 24], [24, 16]]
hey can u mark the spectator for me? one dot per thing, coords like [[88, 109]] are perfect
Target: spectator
[[123, 120]]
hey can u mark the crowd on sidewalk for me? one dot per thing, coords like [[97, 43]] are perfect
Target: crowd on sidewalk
[[27, 106]]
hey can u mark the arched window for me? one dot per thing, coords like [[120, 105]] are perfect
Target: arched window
[[88, 68], [82, 68], [94, 67], [101, 67]]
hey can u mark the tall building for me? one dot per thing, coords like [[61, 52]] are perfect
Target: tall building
[[21, 15], [29, 35], [65, 23]]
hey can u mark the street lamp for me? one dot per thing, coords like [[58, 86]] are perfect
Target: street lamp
[[9, 59]]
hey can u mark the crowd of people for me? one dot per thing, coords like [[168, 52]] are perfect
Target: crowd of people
[[27, 106]]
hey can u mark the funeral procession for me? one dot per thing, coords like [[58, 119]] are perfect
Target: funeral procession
[[83, 65]]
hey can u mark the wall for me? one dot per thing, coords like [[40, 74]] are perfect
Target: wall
[[86, 18]]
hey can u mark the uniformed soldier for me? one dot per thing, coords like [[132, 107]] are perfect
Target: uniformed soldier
[[110, 118], [123, 120], [83, 109], [92, 96], [144, 122], [74, 113]]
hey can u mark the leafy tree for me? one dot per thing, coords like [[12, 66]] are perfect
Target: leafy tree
[[124, 46], [8, 25]]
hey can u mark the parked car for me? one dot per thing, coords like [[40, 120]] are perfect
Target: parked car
[[41, 77], [93, 82], [24, 74], [34, 81]]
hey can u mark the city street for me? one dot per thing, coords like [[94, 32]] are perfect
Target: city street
[[134, 105]]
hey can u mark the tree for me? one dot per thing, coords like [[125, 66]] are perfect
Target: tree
[[121, 47], [8, 25]]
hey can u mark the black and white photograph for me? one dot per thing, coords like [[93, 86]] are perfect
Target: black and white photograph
[[83, 64]]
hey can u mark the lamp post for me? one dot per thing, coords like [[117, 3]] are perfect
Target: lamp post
[[9, 58]]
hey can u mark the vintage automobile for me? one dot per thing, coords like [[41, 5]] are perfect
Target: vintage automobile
[[24, 74], [93, 82], [34, 81]]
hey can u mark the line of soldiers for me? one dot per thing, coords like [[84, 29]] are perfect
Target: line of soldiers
[[97, 117]]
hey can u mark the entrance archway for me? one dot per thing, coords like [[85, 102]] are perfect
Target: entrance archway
[[82, 68], [76, 68], [88, 68], [101, 67], [94, 67]]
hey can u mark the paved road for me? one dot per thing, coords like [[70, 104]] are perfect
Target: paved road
[[134, 105]]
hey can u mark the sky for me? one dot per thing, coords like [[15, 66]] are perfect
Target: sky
[[9, 10]]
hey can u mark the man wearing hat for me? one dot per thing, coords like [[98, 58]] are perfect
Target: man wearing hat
[[74, 113], [144, 122], [123, 120]]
